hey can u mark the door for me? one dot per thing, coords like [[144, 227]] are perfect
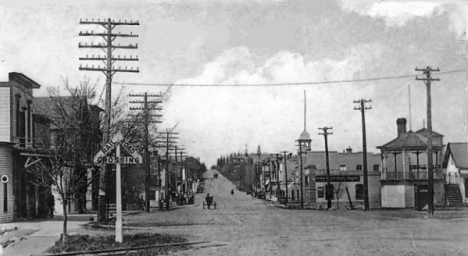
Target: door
[[422, 197]]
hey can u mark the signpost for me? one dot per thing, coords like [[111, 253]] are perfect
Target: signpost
[[117, 142]]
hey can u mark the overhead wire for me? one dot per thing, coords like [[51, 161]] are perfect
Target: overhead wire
[[286, 83]]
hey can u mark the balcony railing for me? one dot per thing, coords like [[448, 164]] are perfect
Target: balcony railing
[[409, 175], [21, 142]]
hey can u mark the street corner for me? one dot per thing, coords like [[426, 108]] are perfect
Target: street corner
[[12, 234]]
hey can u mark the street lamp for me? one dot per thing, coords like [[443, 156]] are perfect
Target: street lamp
[[304, 146]]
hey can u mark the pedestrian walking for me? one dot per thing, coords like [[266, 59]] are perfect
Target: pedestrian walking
[[209, 200]]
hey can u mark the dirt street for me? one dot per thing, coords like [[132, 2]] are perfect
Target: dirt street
[[243, 225]]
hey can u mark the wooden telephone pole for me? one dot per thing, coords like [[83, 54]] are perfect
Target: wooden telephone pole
[[109, 70], [363, 108], [147, 120], [328, 191], [427, 79], [169, 145]]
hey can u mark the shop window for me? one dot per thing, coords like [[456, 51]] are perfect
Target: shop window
[[359, 167], [376, 167], [359, 192], [320, 192], [342, 167]]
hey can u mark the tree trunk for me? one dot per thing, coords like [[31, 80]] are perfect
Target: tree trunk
[[65, 219]]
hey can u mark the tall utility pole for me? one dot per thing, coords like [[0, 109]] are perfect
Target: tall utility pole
[[168, 142], [329, 191], [363, 108], [177, 150], [285, 175], [277, 177], [109, 70], [147, 119], [427, 79]]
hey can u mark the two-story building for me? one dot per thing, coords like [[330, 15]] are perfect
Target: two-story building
[[404, 180], [24, 138]]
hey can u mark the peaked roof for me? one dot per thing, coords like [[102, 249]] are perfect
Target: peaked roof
[[425, 132], [412, 140], [459, 152]]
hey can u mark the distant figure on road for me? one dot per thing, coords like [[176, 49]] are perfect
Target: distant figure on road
[[232, 191], [209, 200]]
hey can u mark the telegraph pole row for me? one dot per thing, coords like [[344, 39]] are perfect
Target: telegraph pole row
[[168, 133], [328, 191], [363, 108], [427, 79], [109, 70], [285, 175], [147, 119]]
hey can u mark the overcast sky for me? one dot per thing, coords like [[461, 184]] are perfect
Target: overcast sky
[[232, 42]]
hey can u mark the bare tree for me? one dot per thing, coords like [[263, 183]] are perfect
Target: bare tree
[[338, 192], [75, 130]]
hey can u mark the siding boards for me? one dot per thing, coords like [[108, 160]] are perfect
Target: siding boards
[[6, 168], [5, 114]]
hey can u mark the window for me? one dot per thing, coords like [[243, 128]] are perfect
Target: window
[[359, 167], [152, 195], [376, 167], [359, 192], [342, 167], [306, 180], [17, 110], [320, 192]]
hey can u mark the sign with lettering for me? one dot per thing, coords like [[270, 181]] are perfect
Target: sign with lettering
[[101, 156], [338, 178], [105, 150], [118, 160]]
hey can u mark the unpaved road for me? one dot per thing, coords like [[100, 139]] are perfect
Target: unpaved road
[[243, 225]]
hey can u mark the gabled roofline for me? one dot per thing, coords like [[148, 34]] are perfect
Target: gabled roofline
[[23, 80]]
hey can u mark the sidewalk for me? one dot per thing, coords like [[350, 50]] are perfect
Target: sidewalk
[[37, 236]]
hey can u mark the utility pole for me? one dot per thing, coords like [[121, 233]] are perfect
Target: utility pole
[[427, 79], [302, 175], [277, 177], [363, 108], [329, 192], [285, 175], [147, 119], [168, 143], [109, 70]]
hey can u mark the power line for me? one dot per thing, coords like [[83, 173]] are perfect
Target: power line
[[287, 83]]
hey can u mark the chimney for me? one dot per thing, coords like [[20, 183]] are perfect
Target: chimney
[[401, 124], [349, 150]]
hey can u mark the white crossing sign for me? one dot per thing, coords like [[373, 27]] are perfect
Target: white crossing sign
[[101, 156], [118, 160], [104, 150]]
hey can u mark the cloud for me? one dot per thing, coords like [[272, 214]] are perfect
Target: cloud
[[395, 14], [271, 116]]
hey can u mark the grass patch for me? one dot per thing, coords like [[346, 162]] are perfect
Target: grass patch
[[86, 243]]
